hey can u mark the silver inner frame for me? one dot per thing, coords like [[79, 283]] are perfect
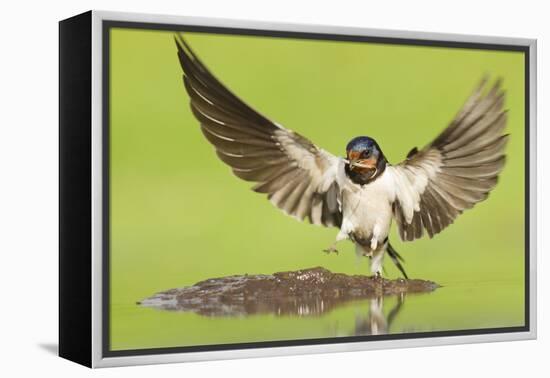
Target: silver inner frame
[[97, 183]]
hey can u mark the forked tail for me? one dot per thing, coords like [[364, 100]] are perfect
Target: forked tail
[[397, 259]]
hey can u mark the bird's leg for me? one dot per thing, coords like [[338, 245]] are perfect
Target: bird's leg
[[367, 254], [376, 263], [332, 249]]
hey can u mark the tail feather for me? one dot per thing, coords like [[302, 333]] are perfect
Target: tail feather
[[397, 259]]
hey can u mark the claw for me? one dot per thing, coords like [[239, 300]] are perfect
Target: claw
[[331, 249]]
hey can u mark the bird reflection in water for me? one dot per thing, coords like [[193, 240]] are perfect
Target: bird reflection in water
[[376, 322]]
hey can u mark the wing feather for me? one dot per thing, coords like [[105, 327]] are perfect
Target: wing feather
[[298, 177], [456, 170]]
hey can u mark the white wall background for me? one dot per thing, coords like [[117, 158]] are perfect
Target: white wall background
[[28, 185]]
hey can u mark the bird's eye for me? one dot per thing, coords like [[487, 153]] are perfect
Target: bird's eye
[[365, 154]]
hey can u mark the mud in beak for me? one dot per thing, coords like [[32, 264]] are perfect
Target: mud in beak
[[366, 167]]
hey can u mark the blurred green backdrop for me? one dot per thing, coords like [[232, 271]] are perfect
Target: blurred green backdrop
[[178, 215]]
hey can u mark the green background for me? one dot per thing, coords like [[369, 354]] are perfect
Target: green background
[[178, 215]]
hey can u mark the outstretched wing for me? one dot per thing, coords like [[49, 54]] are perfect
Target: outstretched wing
[[455, 171], [297, 176]]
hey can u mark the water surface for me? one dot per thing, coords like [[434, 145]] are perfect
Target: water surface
[[456, 307]]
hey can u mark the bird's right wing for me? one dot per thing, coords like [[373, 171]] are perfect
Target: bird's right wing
[[297, 176]]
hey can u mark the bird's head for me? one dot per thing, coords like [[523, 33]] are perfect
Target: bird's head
[[365, 158]]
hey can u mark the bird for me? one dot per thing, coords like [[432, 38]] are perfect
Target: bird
[[362, 193]]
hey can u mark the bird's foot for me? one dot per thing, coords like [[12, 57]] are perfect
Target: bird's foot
[[331, 249]]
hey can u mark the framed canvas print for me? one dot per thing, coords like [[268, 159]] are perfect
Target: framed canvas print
[[234, 189]]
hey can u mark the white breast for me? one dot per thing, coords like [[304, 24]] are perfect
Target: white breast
[[367, 210]]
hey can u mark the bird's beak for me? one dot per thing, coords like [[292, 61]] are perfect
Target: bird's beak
[[364, 163]]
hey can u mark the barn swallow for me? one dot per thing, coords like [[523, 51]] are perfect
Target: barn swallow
[[362, 192]]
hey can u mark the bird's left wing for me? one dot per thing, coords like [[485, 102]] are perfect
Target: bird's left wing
[[455, 171], [297, 176]]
